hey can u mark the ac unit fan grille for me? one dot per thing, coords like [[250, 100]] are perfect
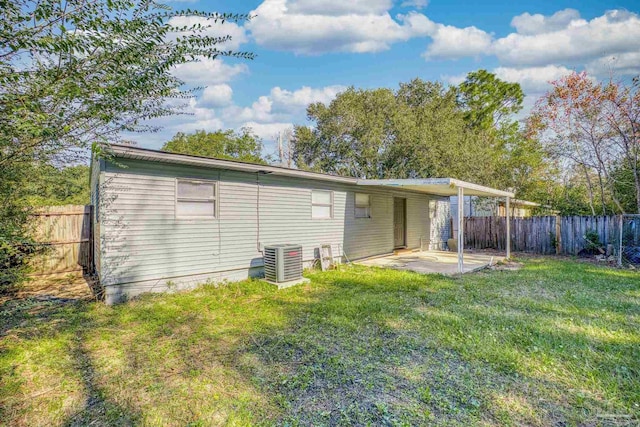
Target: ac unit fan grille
[[282, 263]]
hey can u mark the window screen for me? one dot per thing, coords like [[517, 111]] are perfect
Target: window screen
[[195, 199], [321, 204], [363, 206]]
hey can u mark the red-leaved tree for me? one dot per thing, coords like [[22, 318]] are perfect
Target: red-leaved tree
[[593, 127]]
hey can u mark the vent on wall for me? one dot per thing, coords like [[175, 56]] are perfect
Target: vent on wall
[[282, 263]]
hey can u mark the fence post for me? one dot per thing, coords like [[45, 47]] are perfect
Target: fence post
[[558, 234], [508, 220], [90, 266], [620, 224]]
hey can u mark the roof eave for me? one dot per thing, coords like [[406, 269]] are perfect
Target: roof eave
[[161, 156], [445, 186]]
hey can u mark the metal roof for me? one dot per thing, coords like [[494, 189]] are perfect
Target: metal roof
[[437, 186], [129, 152]]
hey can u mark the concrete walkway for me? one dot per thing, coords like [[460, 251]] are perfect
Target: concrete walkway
[[439, 262]]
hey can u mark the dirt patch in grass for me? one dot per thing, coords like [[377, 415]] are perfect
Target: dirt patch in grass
[[507, 265], [72, 286]]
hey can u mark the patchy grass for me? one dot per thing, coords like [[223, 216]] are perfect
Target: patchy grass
[[556, 343]]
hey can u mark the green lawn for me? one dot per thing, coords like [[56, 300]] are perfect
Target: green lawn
[[554, 344]]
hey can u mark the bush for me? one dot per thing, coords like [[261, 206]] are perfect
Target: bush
[[16, 244], [593, 240]]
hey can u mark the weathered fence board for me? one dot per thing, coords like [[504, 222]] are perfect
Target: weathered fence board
[[541, 234], [67, 232]]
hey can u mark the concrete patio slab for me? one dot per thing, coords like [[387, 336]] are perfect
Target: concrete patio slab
[[429, 262]]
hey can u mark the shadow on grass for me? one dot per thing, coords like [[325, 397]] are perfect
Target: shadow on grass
[[44, 365], [354, 347]]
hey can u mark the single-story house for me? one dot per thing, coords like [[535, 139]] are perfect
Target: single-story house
[[165, 220]]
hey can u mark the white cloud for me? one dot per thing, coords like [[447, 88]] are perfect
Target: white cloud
[[199, 118], [216, 96], [285, 100], [615, 32], [625, 63], [418, 4], [209, 124], [281, 105], [336, 8], [451, 42], [267, 131], [348, 26], [454, 79], [534, 80], [278, 111], [267, 115], [528, 24], [214, 29], [208, 71], [548, 44], [260, 110]]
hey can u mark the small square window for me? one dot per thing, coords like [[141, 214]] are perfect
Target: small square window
[[362, 205], [321, 204], [195, 198]]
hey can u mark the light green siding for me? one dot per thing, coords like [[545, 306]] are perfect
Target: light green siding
[[144, 245], [97, 169]]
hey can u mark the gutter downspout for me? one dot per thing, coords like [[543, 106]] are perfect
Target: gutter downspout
[[258, 212]]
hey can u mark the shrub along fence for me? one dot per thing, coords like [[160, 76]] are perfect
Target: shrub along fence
[[565, 235], [68, 233]]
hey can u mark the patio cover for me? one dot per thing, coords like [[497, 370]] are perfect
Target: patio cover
[[438, 186], [450, 187]]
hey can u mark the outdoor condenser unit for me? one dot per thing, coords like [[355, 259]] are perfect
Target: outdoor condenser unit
[[282, 263]]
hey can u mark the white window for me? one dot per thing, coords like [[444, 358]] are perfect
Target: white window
[[321, 204], [363, 206], [196, 198]]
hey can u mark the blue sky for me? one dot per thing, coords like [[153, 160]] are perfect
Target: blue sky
[[310, 50]]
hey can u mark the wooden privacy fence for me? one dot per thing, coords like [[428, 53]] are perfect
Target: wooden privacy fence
[[541, 234], [68, 233]]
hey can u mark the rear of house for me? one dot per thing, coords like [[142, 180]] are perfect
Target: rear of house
[[168, 220]]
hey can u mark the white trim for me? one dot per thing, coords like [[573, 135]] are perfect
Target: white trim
[[330, 204], [443, 186], [160, 156], [215, 199], [356, 206]]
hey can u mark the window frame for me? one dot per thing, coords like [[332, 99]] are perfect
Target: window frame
[[330, 205], [356, 206], [215, 199]]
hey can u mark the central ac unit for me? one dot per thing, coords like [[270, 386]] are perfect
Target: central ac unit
[[282, 263]]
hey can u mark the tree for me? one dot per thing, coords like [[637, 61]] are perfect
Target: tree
[[60, 186], [76, 74], [350, 135], [593, 127], [243, 145], [285, 150], [624, 187], [488, 101], [421, 130], [434, 140]]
